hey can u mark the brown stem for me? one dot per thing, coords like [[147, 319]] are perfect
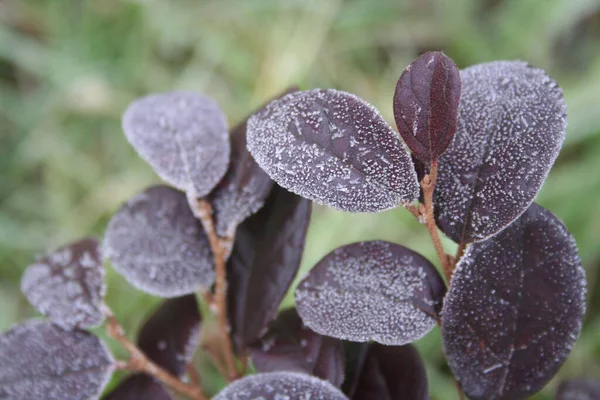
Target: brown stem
[[193, 374], [461, 395], [428, 185], [217, 362], [460, 252], [140, 363], [413, 210], [220, 249]]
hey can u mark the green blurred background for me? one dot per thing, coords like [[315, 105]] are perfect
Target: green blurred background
[[68, 69]]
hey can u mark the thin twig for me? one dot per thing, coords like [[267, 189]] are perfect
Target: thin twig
[[220, 250], [428, 185], [460, 252], [413, 210], [461, 395], [217, 362], [140, 363], [193, 374]]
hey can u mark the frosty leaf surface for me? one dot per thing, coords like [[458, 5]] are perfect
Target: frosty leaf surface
[[426, 105], [387, 373], [244, 188], [371, 291], [67, 285], [514, 308], [139, 387], [264, 261], [333, 148], [280, 386], [511, 125], [158, 245], [40, 360], [172, 334], [579, 389], [183, 136], [288, 345]]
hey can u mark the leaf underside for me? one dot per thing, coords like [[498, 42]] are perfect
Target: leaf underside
[[514, 308], [67, 285], [40, 360], [158, 245], [579, 389], [333, 148], [139, 387], [371, 291], [511, 125]]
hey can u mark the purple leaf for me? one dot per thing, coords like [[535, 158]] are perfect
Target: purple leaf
[[578, 389], [288, 345], [264, 261], [172, 334], [333, 148], [67, 285], [139, 387], [514, 308], [280, 385], [511, 125], [183, 136], [40, 360], [426, 105], [388, 373], [371, 291], [157, 244]]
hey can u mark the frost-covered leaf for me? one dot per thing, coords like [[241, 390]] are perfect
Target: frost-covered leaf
[[158, 245], [426, 104], [288, 345], [264, 261], [514, 308], [280, 386], [579, 389], [183, 136], [371, 291], [387, 373], [40, 360], [139, 387], [511, 125], [244, 188], [171, 335], [334, 148], [67, 285]]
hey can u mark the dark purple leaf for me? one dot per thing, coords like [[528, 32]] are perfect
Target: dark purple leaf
[[264, 261], [426, 105], [67, 285], [40, 360], [514, 308], [511, 125], [280, 385], [579, 389], [183, 136], [371, 291], [158, 245], [288, 345], [387, 373], [244, 188], [333, 148], [139, 387], [171, 335]]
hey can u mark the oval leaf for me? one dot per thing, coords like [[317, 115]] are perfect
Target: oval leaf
[[511, 125], [371, 291], [183, 136], [67, 285], [172, 334], [334, 148], [280, 385], [514, 308], [40, 360], [388, 373], [579, 389], [244, 188], [157, 244], [265, 259], [426, 104], [288, 345], [139, 387]]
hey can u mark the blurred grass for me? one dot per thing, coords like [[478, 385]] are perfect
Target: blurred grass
[[68, 68]]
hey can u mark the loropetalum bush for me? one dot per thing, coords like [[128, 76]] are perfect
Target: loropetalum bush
[[230, 225]]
